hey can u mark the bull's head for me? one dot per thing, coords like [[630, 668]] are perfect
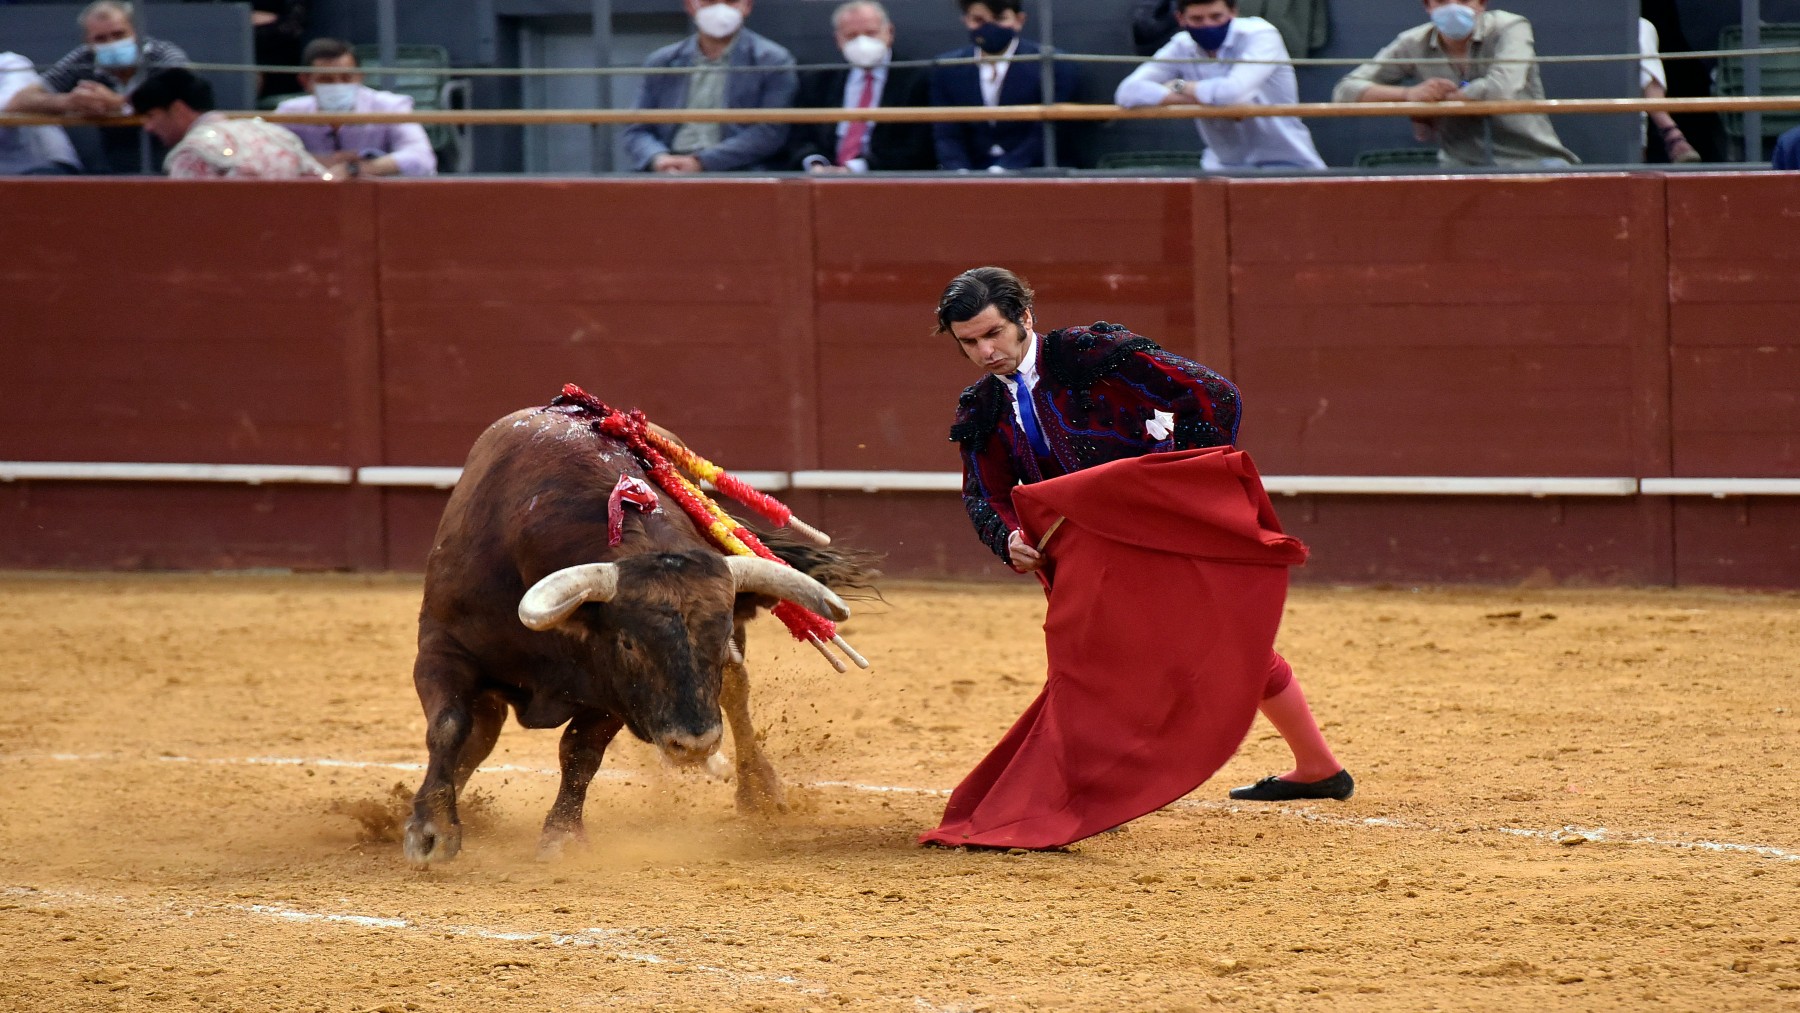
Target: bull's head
[[662, 633]]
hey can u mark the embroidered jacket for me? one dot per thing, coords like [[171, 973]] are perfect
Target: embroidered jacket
[[1098, 389]]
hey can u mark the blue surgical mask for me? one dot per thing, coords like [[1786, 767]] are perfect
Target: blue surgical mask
[[1212, 38], [117, 53], [992, 38], [1454, 21]]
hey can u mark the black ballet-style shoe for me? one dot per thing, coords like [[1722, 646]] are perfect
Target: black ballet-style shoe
[[1273, 789]]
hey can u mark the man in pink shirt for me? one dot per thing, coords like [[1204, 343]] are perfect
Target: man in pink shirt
[[359, 149]]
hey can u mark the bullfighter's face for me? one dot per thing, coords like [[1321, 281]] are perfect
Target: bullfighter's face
[[993, 342], [663, 643]]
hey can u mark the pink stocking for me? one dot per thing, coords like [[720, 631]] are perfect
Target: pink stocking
[[1288, 712]]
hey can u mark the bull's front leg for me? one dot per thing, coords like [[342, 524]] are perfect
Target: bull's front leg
[[583, 745], [759, 788], [461, 724]]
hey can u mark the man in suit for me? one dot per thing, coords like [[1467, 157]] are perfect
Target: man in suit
[[721, 45], [865, 35], [1081, 397], [997, 146]]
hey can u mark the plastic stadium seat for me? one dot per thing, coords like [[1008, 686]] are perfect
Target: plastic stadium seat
[[1377, 158], [1148, 160], [454, 144], [1780, 76]]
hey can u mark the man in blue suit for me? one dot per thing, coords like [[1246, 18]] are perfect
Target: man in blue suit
[[994, 28], [720, 47], [1786, 156]]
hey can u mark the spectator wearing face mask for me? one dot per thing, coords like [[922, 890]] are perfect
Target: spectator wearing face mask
[[360, 149], [865, 35], [721, 48], [1465, 53], [1212, 34], [97, 78], [994, 27], [30, 151]]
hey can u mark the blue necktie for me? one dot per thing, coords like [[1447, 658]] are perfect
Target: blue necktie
[[1028, 415]]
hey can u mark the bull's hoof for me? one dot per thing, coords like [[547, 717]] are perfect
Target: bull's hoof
[[429, 842], [557, 842], [761, 795]]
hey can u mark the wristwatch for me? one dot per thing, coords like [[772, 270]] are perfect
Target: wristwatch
[[1179, 86]]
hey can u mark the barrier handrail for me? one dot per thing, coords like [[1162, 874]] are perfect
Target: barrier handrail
[[963, 114], [953, 61]]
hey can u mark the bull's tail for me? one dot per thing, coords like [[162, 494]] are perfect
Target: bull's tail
[[849, 572]]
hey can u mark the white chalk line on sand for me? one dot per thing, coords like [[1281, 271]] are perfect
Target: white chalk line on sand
[[609, 941], [1559, 836]]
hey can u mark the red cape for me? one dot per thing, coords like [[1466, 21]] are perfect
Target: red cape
[[1169, 576]]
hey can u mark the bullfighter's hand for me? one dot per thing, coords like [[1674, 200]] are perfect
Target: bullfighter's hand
[[1023, 556]]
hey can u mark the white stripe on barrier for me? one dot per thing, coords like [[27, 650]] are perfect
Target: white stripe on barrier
[[433, 477], [126, 471], [1719, 488], [1597, 834]]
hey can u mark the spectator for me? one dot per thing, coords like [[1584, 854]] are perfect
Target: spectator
[[279, 25], [1466, 53], [865, 35], [1654, 82], [1787, 152], [178, 108], [994, 27], [721, 45], [1305, 24], [365, 149], [1212, 33], [95, 79], [30, 151]]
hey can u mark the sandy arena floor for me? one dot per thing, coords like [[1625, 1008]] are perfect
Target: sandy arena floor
[[193, 767]]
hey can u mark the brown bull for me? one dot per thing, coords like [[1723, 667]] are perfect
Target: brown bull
[[527, 606]]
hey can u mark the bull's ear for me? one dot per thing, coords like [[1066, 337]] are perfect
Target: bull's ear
[[557, 596], [778, 580]]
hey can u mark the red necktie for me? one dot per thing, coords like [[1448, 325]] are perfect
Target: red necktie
[[852, 144]]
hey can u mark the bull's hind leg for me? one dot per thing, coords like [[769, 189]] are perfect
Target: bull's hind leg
[[446, 684], [583, 744], [758, 786]]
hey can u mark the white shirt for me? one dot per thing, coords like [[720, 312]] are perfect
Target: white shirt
[[26, 148], [1650, 70], [853, 86], [1028, 373], [993, 71], [1264, 141]]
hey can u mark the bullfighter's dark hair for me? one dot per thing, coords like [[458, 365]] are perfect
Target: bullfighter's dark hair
[[997, 7], [327, 49], [975, 290], [166, 87]]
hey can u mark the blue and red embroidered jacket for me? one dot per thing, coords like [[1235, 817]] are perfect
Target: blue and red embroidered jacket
[[1098, 388]]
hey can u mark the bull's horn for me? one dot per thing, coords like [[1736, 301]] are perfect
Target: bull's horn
[[778, 580], [552, 599]]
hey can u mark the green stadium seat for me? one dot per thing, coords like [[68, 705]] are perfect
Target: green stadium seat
[[1379, 158], [1148, 160], [1780, 76], [453, 144]]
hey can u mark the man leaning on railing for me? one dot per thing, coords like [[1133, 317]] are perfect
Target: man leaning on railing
[[359, 149], [720, 47], [1466, 53]]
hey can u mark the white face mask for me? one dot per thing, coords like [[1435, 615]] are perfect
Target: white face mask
[[335, 98], [866, 51], [718, 21]]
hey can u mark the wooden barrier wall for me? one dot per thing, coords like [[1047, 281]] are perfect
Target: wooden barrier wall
[[1620, 326]]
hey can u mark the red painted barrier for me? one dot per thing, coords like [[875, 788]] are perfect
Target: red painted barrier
[[1629, 325]]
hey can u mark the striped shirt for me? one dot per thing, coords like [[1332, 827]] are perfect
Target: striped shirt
[[79, 66]]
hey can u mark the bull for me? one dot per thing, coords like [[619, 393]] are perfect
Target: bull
[[527, 606]]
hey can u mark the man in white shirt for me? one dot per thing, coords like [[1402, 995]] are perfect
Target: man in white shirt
[[1214, 36]]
